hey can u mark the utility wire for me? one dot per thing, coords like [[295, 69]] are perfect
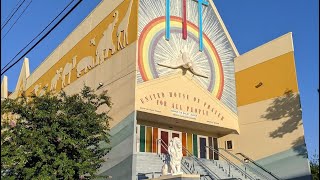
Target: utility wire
[[43, 37], [36, 36], [12, 10], [12, 15], [16, 20]]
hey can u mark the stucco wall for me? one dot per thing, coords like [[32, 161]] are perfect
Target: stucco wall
[[269, 109], [111, 67], [119, 161]]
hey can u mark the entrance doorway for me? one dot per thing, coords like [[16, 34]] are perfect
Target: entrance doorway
[[166, 136], [202, 149]]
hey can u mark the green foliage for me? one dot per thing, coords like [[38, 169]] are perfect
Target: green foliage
[[54, 137], [314, 166]]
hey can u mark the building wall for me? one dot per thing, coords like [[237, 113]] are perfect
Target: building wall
[[121, 160], [97, 52], [269, 112], [269, 109]]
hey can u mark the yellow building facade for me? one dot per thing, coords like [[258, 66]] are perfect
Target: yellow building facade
[[172, 70]]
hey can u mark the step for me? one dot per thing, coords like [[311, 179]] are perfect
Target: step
[[150, 162]]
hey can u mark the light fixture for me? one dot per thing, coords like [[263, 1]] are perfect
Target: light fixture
[[246, 160], [258, 85], [100, 85]]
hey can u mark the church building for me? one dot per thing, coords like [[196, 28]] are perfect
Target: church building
[[172, 70]]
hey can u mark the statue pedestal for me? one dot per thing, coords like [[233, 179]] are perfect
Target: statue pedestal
[[179, 177]]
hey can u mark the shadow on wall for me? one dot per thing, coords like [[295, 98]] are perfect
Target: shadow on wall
[[299, 146], [285, 107]]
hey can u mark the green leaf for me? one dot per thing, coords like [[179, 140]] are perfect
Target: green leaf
[[54, 137]]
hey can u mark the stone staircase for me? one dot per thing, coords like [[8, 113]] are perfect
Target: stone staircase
[[149, 166], [229, 170]]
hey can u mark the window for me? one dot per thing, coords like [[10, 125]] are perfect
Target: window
[[229, 145]]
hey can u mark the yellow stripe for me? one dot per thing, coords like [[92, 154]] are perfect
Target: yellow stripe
[[149, 139], [277, 76], [189, 142]]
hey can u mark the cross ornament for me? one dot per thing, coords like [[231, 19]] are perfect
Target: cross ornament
[[184, 20]]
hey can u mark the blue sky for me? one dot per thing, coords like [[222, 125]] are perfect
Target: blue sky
[[250, 23]]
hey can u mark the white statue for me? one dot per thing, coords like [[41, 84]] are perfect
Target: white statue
[[184, 61], [43, 90], [55, 79], [164, 169], [175, 154], [36, 89], [67, 71], [85, 64], [123, 27], [93, 41], [106, 42]]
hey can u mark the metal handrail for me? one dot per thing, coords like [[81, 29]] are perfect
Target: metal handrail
[[193, 158], [166, 147], [245, 164], [196, 159], [153, 173], [258, 165], [233, 164]]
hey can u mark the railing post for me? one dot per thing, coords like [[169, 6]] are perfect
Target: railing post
[[229, 169], [245, 171], [193, 168], [157, 146]]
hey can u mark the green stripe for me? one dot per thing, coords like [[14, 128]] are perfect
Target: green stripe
[[195, 145], [142, 138], [121, 131]]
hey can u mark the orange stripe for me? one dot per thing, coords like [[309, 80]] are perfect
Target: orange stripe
[[154, 138], [184, 143], [149, 139]]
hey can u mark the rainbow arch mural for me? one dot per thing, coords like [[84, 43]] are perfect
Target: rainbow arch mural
[[155, 30]]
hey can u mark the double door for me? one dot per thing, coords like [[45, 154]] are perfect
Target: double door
[[203, 152], [198, 144], [166, 136]]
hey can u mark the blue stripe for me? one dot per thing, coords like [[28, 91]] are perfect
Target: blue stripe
[[200, 3], [167, 19]]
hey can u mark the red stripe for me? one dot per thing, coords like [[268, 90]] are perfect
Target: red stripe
[[219, 94], [184, 19]]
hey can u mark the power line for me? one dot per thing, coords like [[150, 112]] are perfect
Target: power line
[[16, 20], [12, 10], [43, 37], [37, 36], [12, 15]]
